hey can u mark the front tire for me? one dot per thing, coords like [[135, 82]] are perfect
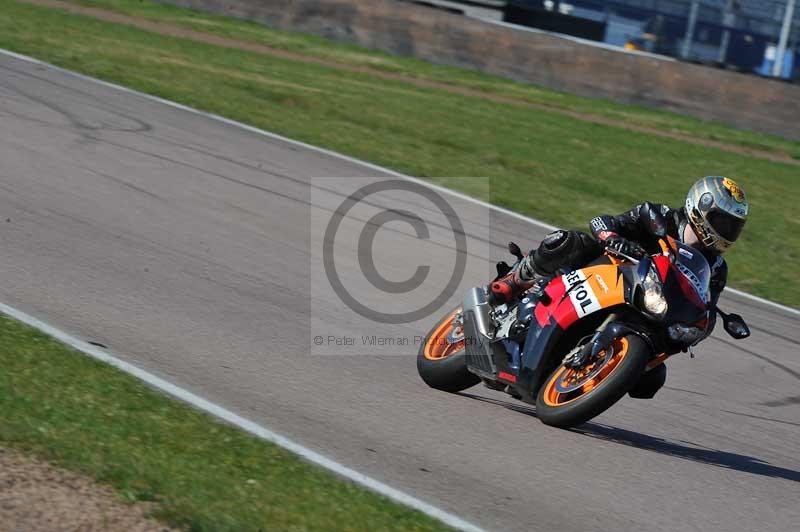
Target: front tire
[[570, 397], [443, 364]]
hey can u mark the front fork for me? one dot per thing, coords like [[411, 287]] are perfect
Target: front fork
[[580, 355], [603, 336]]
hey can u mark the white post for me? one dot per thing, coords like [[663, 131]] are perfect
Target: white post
[[728, 20], [777, 68], [691, 23]]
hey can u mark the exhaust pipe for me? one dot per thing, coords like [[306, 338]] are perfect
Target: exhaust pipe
[[475, 301]]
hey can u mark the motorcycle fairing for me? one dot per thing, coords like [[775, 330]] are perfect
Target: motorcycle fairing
[[680, 288], [579, 293], [570, 298]]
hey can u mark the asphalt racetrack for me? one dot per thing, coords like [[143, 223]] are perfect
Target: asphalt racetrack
[[193, 248]]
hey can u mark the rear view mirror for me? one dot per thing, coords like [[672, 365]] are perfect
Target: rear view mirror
[[735, 326]]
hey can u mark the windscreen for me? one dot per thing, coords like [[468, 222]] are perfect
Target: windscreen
[[694, 266]]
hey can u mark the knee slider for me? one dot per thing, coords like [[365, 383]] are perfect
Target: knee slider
[[552, 252]]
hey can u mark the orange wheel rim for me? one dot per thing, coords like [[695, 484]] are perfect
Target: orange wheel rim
[[439, 344], [583, 380]]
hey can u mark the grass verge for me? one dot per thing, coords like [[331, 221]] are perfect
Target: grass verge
[[540, 163], [492, 85], [86, 416]]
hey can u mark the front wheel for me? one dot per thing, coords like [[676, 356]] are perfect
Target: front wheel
[[442, 361], [571, 396]]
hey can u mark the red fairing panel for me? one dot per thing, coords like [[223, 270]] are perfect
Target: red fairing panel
[[555, 289], [663, 265], [560, 308]]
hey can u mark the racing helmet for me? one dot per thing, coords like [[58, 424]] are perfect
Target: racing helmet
[[717, 210]]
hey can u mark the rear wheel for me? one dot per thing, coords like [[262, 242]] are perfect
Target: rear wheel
[[573, 396], [441, 361]]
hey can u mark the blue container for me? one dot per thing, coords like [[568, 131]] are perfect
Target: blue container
[[769, 61]]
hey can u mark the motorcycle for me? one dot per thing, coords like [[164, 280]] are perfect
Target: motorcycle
[[579, 343]]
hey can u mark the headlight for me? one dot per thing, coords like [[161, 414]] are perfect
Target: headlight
[[653, 295], [684, 334]]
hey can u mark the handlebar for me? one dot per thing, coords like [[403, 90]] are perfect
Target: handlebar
[[661, 242], [622, 255]]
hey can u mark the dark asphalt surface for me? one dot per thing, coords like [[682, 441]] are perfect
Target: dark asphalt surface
[[193, 249]]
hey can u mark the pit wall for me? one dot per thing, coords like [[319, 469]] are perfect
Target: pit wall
[[552, 61]]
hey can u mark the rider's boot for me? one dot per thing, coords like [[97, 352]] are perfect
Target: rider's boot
[[507, 288], [523, 277]]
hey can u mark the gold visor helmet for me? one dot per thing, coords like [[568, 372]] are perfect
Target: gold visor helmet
[[717, 210]]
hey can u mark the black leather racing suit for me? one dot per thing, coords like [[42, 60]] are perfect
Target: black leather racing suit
[[629, 225], [574, 249]]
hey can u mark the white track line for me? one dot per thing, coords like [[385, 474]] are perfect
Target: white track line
[[227, 415], [210, 407], [353, 160], [243, 423], [337, 155]]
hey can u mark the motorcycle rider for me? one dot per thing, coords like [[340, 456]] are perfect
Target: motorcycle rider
[[711, 220]]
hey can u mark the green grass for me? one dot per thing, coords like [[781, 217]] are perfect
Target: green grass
[[540, 163], [357, 56], [201, 475]]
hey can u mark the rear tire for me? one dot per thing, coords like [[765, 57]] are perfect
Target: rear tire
[[564, 411], [442, 369]]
